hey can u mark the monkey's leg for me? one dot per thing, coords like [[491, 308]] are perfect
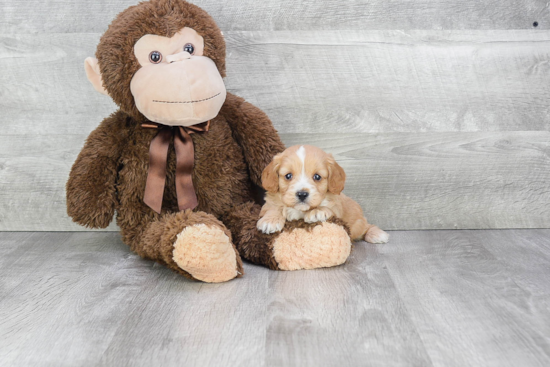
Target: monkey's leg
[[194, 244], [299, 245]]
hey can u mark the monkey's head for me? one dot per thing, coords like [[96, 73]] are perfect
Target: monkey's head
[[163, 60]]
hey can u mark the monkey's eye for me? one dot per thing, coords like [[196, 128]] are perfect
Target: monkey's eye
[[288, 176], [316, 177], [155, 57], [189, 48]]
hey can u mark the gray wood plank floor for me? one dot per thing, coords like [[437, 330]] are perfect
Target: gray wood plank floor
[[428, 298]]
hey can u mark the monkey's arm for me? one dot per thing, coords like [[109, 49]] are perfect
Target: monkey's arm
[[254, 132], [91, 191]]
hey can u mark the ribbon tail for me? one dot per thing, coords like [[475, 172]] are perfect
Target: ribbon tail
[[185, 157], [156, 175]]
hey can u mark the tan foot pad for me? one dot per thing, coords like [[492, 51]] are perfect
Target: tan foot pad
[[206, 253], [323, 246]]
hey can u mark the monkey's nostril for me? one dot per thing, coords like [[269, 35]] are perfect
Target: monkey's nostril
[[302, 195]]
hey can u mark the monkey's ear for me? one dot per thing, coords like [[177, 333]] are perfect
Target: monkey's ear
[[270, 175], [94, 75]]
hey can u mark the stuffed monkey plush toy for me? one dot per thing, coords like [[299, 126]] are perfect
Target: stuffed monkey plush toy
[[181, 159]]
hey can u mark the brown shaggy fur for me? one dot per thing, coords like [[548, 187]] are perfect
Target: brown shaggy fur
[[110, 172], [117, 61]]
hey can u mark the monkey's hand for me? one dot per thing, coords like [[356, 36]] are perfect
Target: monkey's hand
[[91, 188], [91, 193]]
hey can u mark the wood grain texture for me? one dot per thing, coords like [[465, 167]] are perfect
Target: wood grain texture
[[174, 321], [334, 81], [34, 170], [72, 290], [65, 16], [445, 180], [468, 304], [436, 128], [307, 326], [402, 180], [46, 90], [527, 256], [20, 254], [382, 81], [427, 298]]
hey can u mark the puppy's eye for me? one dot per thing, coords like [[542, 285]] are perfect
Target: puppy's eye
[[155, 57], [316, 177], [288, 176], [189, 48]]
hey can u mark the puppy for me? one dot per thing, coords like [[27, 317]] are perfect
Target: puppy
[[304, 182]]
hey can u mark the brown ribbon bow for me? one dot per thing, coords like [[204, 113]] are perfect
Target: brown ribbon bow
[[185, 158]]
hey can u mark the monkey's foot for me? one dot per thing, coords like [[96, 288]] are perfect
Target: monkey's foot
[[324, 245], [206, 253]]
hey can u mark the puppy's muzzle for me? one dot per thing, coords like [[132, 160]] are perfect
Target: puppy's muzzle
[[302, 195]]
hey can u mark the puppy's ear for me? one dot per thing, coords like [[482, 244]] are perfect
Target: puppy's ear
[[270, 175], [336, 176]]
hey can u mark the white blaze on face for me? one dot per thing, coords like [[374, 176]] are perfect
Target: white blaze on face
[[303, 182]]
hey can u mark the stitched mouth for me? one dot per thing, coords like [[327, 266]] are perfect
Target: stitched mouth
[[198, 100]]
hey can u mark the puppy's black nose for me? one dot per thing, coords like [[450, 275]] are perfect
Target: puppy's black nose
[[302, 195]]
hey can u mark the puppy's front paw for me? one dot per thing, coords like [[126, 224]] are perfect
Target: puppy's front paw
[[270, 225], [293, 214], [317, 215], [376, 235]]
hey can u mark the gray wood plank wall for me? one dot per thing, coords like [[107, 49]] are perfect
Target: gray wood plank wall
[[429, 298], [438, 110]]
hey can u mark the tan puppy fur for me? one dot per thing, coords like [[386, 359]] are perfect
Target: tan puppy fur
[[304, 182]]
